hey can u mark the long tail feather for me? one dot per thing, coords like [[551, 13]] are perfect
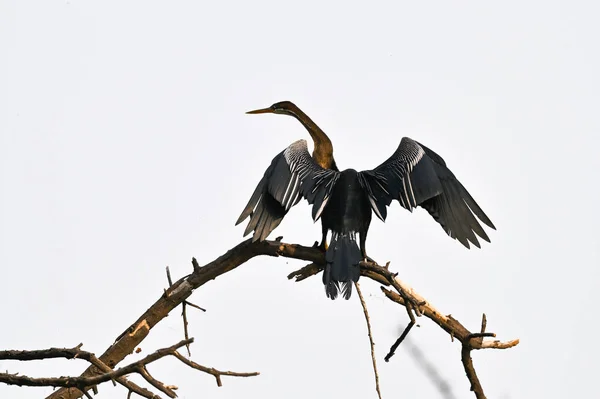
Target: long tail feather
[[342, 268]]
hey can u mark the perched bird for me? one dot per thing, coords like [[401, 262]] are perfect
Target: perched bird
[[414, 176]]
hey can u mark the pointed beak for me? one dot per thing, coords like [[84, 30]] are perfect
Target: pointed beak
[[261, 111]]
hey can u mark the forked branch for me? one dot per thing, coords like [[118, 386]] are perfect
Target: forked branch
[[82, 384], [181, 289]]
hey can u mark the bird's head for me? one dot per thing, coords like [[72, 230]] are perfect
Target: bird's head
[[282, 107]]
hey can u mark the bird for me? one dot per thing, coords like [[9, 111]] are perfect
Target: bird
[[414, 176]]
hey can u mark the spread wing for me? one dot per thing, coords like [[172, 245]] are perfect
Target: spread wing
[[416, 176], [292, 175]]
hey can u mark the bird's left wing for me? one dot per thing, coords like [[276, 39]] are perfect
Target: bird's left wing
[[292, 175], [416, 176]]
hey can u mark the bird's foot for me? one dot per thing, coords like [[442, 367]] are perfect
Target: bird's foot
[[322, 246]]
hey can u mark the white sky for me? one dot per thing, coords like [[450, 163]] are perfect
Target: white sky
[[125, 148]]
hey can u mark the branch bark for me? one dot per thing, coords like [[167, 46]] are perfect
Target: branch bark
[[180, 291], [82, 383], [184, 287]]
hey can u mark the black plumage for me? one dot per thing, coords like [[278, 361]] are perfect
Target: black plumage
[[414, 176]]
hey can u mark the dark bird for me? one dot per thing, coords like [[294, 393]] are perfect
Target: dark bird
[[414, 176]]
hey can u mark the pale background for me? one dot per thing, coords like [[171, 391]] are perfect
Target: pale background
[[125, 148]]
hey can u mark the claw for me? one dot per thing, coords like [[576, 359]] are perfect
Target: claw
[[323, 246]]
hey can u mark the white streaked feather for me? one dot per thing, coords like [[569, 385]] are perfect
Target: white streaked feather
[[294, 192], [409, 207], [416, 157], [375, 208], [286, 155], [318, 215], [414, 203], [381, 186], [296, 196], [287, 191], [401, 200]]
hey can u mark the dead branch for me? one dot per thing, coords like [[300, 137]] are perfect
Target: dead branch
[[83, 383], [399, 340], [72, 353], [366, 312], [184, 313], [180, 290], [212, 371]]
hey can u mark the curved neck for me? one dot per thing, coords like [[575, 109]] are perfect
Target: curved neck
[[318, 135], [323, 151]]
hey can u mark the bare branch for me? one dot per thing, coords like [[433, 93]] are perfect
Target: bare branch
[[51, 353], [194, 306], [364, 306], [305, 272], [69, 353], [400, 339], [465, 356], [183, 308], [131, 386], [185, 326], [183, 288], [451, 325], [212, 371], [83, 384], [169, 276], [155, 383]]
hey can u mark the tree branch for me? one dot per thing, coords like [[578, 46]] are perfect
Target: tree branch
[[366, 312], [83, 383], [212, 371], [70, 353], [183, 288]]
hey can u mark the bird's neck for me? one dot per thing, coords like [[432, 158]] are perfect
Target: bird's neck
[[323, 151]]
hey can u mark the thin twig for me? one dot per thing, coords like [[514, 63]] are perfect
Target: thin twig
[[410, 310], [183, 313], [212, 371], [131, 386], [143, 371], [194, 306], [483, 323], [185, 326], [482, 335], [364, 306], [396, 344], [169, 277]]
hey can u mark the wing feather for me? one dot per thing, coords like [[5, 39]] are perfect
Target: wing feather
[[416, 176], [292, 175]]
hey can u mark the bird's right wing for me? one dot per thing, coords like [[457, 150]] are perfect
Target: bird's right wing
[[292, 175]]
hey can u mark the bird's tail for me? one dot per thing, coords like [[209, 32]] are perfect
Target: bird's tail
[[342, 268]]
